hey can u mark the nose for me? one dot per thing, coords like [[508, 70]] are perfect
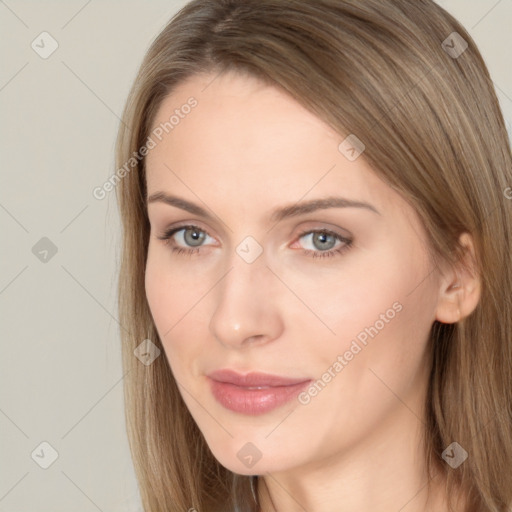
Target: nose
[[246, 306]]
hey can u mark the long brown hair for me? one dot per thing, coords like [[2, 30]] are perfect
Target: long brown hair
[[408, 80]]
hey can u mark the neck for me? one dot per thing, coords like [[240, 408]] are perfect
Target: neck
[[384, 472]]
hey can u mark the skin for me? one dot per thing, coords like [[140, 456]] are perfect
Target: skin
[[246, 149]]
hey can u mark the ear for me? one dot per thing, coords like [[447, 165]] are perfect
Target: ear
[[460, 286]]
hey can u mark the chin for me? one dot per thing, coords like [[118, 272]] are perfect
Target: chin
[[253, 458]]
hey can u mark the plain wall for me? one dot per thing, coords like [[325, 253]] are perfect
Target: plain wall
[[61, 376]]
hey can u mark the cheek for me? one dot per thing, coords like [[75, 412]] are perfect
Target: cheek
[[157, 285], [354, 296], [382, 321], [379, 319], [162, 295], [173, 298], [169, 293]]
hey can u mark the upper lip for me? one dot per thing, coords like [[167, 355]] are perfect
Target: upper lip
[[253, 379]]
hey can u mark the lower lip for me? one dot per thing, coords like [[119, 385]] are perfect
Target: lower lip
[[254, 401]]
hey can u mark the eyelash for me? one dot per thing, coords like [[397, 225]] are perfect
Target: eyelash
[[167, 238]]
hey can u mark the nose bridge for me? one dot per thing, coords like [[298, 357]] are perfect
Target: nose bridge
[[245, 309]]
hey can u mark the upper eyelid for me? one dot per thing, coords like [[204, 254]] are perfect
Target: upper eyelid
[[176, 229]]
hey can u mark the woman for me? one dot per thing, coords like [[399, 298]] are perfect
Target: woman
[[316, 262]]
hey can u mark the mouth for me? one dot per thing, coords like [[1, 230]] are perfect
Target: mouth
[[253, 393]]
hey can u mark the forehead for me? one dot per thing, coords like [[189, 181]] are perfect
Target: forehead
[[251, 142]]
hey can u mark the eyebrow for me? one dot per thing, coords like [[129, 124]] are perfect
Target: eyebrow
[[278, 215]]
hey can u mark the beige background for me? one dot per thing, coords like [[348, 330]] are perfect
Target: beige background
[[61, 378]]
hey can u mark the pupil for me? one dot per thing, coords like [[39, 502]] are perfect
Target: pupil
[[193, 236], [322, 238]]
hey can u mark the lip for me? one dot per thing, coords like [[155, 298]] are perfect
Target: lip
[[253, 393]]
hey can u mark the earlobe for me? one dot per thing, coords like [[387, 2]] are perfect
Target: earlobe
[[460, 286]]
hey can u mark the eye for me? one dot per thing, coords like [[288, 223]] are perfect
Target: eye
[[185, 239], [323, 243], [189, 239]]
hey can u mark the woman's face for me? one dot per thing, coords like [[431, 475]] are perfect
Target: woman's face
[[338, 299]]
